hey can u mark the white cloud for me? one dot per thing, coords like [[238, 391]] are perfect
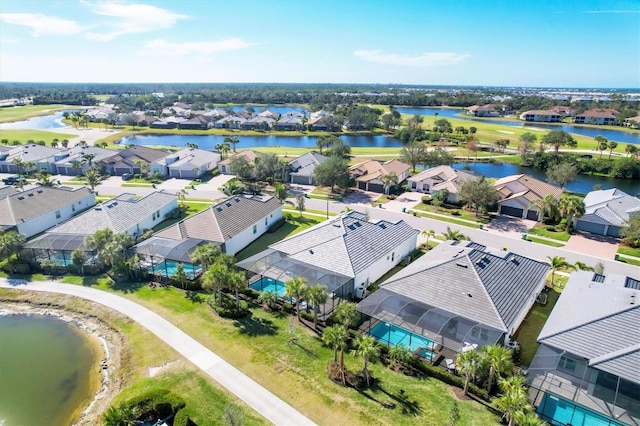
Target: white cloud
[[42, 24], [424, 60], [132, 18], [196, 47]]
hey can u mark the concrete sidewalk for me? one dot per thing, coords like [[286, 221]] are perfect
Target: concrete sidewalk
[[254, 395]]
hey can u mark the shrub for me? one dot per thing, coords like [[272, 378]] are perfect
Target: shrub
[[157, 403], [307, 316], [391, 197], [287, 217], [288, 308], [455, 213], [426, 199], [227, 308]]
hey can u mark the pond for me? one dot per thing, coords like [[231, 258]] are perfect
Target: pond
[[607, 131], [46, 367], [582, 184], [210, 141], [44, 122], [280, 109]]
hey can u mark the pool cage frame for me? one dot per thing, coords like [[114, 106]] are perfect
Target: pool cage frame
[[547, 374], [166, 249], [278, 266], [452, 331], [46, 246]]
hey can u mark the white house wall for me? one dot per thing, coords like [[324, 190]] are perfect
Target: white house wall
[[49, 220], [529, 305], [149, 221], [246, 237]]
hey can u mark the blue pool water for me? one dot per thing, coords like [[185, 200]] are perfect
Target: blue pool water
[[268, 284], [171, 268], [558, 411], [392, 335]]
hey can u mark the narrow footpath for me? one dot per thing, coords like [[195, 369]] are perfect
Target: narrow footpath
[[254, 395]]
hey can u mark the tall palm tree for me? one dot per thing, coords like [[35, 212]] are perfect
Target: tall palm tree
[[468, 363], [337, 337], [388, 180], [454, 234], [571, 206], [346, 314], [92, 178], [237, 281], [513, 399], [549, 207], [233, 141], [400, 355], [367, 347], [582, 266], [557, 262], [182, 196], [602, 144], [612, 145], [499, 360], [631, 150], [427, 234], [296, 289], [214, 279], [317, 295]]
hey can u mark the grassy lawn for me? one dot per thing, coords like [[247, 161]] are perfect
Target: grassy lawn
[[205, 399], [635, 262], [528, 332], [324, 193], [191, 209], [460, 213], [295, 212], [444, 219], [629, 251], [545, 242], [137, 185], [292, 227], [25, 135], [19, 113], [546, 231]]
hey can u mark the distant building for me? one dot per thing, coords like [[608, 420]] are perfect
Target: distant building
[[521, 194], [368, 175], [303, 167], [439, 178], [188, 163], [607, 212], [541, 116], [598, 116]]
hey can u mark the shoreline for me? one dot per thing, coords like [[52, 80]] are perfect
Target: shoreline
[[104, 342]]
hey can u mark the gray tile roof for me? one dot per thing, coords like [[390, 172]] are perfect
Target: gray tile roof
[[347, 244], [306, 163], [29, 152], [224, 220], [118, 214], [598, 320], [7, 190], [469, 280], [612, 205], [189, 158], [448, 178], [33, 203]]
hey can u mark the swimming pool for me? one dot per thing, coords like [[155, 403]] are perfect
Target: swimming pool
[[392, 335], [171, 266], [269, 284], [558, 411]]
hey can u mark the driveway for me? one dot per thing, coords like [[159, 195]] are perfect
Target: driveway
[[174, 185], [509, 225], [593, 245], [254, 395]]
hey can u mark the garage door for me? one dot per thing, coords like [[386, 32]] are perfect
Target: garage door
[[614, 231], [362, 185], [511, 211], [300, 180], [532, 215], [373, 187], [594, 228]]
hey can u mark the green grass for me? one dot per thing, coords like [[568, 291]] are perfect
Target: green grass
[[545, 242], [542, 231], [629, 251], [324, 193], [450, 219], [630, 261], [462, 213], [292, 227], [294, 211], [20, 113], [24, 135], [137, 185], [528, 332], [191, 209]]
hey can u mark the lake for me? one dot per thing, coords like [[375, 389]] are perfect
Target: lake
[[606, 131], [45, 122], [582, 183], [210, 141], [48, 370]]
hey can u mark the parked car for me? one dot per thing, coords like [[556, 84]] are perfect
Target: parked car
[[12, 180], [127, 176]]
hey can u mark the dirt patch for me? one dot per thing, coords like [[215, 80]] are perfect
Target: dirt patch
[[108, 341], [459, 393]]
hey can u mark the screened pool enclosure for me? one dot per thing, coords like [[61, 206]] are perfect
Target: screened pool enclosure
[[58, 247], [161, 256], [423, 321]]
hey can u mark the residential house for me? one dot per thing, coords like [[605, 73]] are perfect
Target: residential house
[[346, 254], [35, 210], [164, 124], [125, 213], [176, 111], [317, 124], [598, 116], [541, 115], [521, 194], [440, 178], [488, 110], [368, 175], [563, 110], [233, 223], [230, 122], [7, 190], [130, 159], [188, 163], [218, 113], [258, 122], [460, 296], [269, 114], [76, 160], [607, 212], [586, 368], [31, 154], [195, 123], [302, 168], [633, 122], [248, 154], [291, 120]]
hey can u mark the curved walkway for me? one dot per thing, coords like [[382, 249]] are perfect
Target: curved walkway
[[254, 395]]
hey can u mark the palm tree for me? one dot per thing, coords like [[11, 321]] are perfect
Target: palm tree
[[603, 144], [582, 266], [388, 180], [468, 363], [367, 347], [236, 281], [528, 418], [631, 150], [268, 298], [549, 207], [182, 195], [571, 206], [122, 415], [55, 142], [557, 262], [513, 399], [205, 255], [454, 234], [215, 278], [233, 141], [612, 145], [43, 178], [317, 295], [19, 165], [346, 314], [64, 143], [427, 234], [92, 178], [296, 289], [337, 337], [499, 360], [400, 355]]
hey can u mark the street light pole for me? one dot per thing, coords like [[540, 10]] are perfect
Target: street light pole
[[327, 208]]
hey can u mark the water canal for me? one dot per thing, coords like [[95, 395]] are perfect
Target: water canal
[[48, 370]]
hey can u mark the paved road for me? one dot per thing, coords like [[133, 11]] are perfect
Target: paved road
[[260, 399]]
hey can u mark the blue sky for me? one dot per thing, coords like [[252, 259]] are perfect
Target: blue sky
[[536, 43]]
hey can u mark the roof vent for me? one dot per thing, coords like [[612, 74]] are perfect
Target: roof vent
[[20, 198], [39, 191], [219, 208], [515, 262], [469, 295], [462, 265], [310, 251], [228, 204], [383, 226], [30, 194]]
